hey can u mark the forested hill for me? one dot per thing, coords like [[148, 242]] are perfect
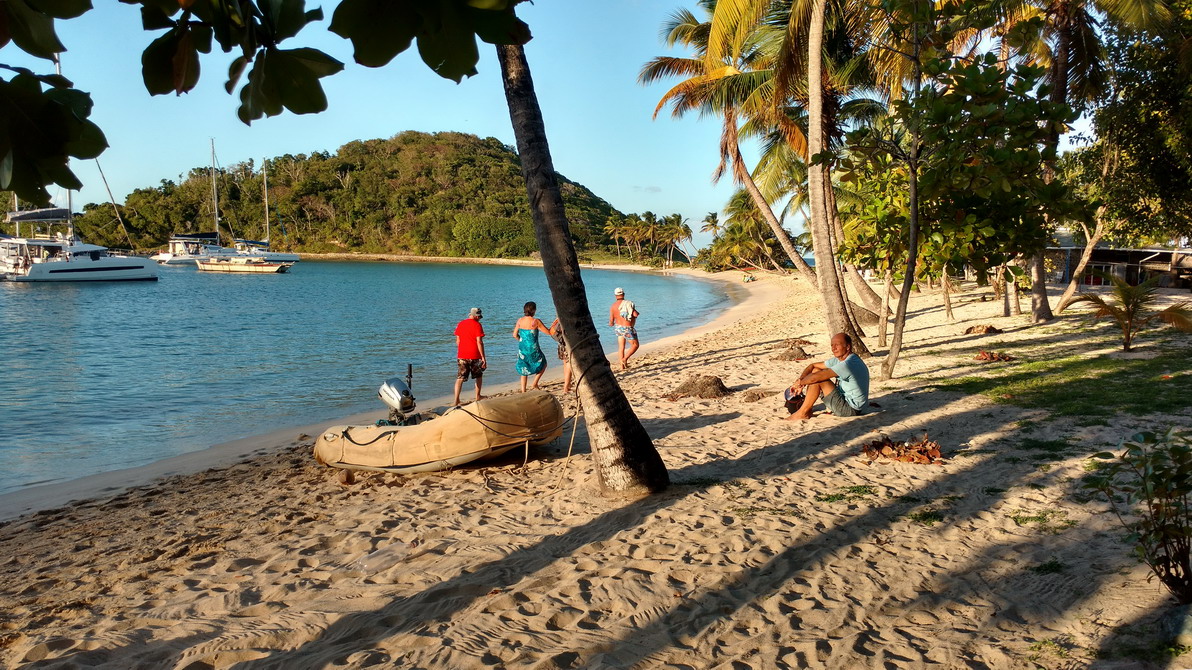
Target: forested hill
[[449, 194]]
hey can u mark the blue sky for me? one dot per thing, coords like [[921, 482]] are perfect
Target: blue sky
[[585, 57]]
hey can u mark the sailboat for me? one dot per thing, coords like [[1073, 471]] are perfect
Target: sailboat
[[63, 257], [186, 248], [260, 248]]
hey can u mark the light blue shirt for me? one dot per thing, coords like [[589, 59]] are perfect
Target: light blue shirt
[[852, 378]]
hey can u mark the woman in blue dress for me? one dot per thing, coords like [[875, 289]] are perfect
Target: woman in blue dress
[[530, 360]]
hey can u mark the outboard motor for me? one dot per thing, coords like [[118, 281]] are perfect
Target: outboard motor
[[397, 394]]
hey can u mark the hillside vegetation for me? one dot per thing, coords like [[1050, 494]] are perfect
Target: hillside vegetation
[[448, 194]]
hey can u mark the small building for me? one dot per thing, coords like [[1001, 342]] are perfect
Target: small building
[[1133, 265]]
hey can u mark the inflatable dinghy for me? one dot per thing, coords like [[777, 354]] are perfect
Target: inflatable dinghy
[[483, 429]]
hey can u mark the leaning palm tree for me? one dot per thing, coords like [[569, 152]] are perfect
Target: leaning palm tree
[[626, 459], [719, 88], [1131, 307]]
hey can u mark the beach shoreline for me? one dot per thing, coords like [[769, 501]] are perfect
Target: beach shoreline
[[14, 504], [777, 544]]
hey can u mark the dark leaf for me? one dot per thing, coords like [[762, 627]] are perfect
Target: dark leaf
[[378, 29], [31, 30]]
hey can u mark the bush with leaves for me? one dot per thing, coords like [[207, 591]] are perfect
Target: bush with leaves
[[1130, 307], [1153, 479]]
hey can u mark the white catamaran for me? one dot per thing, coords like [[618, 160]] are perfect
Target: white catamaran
[[63, 257]]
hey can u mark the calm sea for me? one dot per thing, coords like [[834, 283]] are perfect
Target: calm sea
[[99, 377]]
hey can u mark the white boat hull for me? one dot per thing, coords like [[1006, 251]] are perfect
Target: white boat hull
[[246, 265], [107, 268]]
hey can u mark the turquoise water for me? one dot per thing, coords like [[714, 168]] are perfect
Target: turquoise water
[[104, 376]]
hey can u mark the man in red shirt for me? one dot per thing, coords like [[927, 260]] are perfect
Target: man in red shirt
[[469, 347]]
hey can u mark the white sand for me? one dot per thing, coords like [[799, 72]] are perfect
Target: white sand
[[737, 565]]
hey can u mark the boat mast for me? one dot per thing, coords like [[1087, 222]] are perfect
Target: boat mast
[[265, 181], [214, 191], [70, 234]]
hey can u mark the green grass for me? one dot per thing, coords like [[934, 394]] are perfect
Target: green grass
[[1051, 567], [1080, 386], [927, 517], [1049, 521], [1049, 446], [992, 490], [847, 494]]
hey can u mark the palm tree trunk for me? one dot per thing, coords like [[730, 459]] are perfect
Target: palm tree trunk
[[834, 301], [625, 457], [730, 145], [868, 297]]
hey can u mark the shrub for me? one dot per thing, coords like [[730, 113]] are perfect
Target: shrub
[[1130, 307], [1153, 478]]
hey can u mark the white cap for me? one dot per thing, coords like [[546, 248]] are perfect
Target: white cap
[[618, 291]]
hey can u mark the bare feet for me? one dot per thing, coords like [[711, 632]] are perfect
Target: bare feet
[[799, 416]]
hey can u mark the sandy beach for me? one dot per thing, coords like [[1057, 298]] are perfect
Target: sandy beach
[[778, 544]]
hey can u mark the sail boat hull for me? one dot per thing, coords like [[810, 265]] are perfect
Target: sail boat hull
[[64, 260]]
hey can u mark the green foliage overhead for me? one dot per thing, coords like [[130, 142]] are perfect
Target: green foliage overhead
[[448, 194], [41, 131], [43, 123]]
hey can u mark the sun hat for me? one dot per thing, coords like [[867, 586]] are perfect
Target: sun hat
[[618, 291], [475, 312]]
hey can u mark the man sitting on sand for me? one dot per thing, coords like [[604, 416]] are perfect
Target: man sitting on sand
[[849, 396]]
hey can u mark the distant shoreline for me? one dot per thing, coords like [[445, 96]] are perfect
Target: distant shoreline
[[465, 260]]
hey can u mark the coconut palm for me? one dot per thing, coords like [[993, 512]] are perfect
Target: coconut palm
[[719, 87], [613, 227], [624, 454], [1132, 307]]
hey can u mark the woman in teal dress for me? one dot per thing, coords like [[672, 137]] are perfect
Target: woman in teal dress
[[530, 360]]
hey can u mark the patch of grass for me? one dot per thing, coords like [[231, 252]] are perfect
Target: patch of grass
[[1026, 425], [750, 512], [1051, 567], [701, 482], [1049, 520], [1035, 486], [972, 452], [1012, 459], [847, 494], [1048, 446], [1048, 382], [927, 517], [910, 499], [1058, 648], [992, 490]]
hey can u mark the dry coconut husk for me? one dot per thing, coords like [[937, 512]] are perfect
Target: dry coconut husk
[[701, 386], [923, 452], [989, 356], [755, 395], [792, 354], [982, 330]]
